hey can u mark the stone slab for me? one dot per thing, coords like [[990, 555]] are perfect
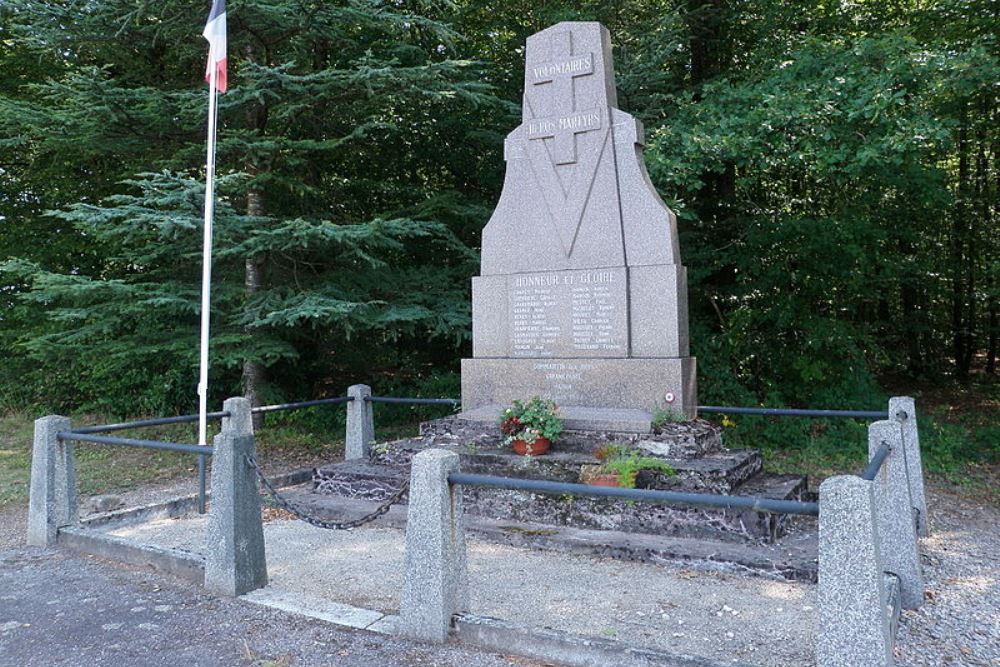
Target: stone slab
[[177, 562], [720, 472], [790, 557], [314, 607], [623, 385], [593, 513], [569, 649], [678, 439]]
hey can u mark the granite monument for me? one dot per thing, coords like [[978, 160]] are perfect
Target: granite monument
[[582, 297]]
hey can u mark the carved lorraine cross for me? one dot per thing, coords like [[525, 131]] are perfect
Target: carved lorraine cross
[[559, 74]]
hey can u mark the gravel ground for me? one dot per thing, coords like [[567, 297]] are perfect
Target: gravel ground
[[14, 518], [62, 609], [723, 617], [959, 624]]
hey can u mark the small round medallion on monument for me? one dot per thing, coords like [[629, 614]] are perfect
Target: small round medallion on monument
[[669, 397]]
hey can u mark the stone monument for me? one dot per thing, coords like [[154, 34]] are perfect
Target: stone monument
[[582, 297]]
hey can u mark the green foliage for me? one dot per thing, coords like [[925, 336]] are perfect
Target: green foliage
[[833, 167], [530, 420], [627, 463], [664, 416], [331, 183]]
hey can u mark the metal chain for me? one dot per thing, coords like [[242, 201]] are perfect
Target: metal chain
[[284, 504]]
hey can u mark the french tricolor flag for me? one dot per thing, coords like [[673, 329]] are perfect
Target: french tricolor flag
[[215, 33]]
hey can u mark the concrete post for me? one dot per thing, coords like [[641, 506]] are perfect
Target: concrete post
[[894, 514], [435, 586], [904, 410], [235, 562], [854, 627], [360, 423], [240, 419], [52, 501]]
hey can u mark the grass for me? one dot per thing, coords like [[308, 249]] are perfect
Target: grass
[[110, 468], [959, 447]]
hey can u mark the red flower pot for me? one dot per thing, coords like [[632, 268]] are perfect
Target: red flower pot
[[539, 446], [606, 479]]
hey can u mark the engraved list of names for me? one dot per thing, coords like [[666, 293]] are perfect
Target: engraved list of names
[[568, 313]]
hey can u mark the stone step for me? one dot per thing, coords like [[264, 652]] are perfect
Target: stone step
[[792, 557], [378, 482], [719, 472], [673, 439], [632, 517]]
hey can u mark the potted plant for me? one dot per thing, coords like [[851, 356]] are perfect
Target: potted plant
[[531, 426], [620, 465]]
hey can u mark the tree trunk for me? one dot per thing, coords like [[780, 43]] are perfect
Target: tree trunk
[[253, 372], [253, 266], [993, 332], [958, 262], [992, 264]]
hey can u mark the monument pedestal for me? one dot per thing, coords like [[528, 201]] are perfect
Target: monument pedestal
[[694, 450], [592, 394]]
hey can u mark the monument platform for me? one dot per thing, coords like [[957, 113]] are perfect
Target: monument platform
[[693, 449]]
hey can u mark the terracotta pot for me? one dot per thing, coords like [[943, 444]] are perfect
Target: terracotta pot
[[604, 479], [539, 446]]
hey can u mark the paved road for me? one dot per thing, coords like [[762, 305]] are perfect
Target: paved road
[[66, 609]]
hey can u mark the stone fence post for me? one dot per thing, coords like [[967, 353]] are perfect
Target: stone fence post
[[854, 628], [235, 562], [435, 586], [360, 423], [903, 410], [894, 513], [52, 500]]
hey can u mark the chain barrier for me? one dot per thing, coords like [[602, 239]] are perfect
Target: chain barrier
[[284, 504]]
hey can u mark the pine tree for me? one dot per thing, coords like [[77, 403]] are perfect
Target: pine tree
[[344, 227]]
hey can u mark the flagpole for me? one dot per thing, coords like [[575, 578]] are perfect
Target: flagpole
[[206, 273]]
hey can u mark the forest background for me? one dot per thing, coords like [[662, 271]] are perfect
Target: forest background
[[834, 167]]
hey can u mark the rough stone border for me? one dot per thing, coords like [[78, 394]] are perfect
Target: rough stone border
[[182, 564], [178, 507], [569, 649]]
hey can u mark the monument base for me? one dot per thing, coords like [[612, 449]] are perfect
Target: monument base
[[593, 394]]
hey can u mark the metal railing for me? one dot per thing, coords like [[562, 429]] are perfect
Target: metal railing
[[755, 503], [875, 462], [144, 423], [337, 400], [793, 412], [414, 401], [77, 436], [88, 434]]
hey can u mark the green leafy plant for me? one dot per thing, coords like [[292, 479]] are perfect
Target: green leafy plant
[[530, 420], [627, 463], [664, 416]]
